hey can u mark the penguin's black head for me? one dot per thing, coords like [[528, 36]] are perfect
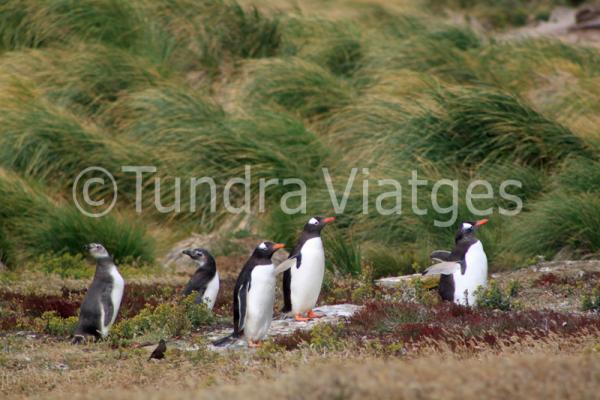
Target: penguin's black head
[[468, 228], [201, 256], [96, 250], [266, 249], [315, 224]]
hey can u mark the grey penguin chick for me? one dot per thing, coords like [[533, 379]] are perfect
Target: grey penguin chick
[[205, 280], [102, 301]]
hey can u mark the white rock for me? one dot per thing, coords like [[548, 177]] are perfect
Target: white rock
[[287, 326]]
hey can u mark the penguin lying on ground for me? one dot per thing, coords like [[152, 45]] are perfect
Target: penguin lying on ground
[[205, 280], [102, 301], [464, 269], [302, 281], [254, 295]]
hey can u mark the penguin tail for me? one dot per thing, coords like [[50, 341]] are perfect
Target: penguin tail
[[224, 341], [286, 309]]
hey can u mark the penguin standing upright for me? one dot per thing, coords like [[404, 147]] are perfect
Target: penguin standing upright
[[102, 301], [464, 269], [302, 281], [205, 280], [254, 295]]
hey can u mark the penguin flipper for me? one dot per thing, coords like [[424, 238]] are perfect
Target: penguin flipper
[[199, 282], [440, 255], [286, 265], [108, 308], [287, 293], [443, 268], [240, 315], [287, 280]]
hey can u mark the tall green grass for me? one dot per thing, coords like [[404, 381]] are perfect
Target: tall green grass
[[42, 23], [559, 220], [483, 126], [205, 88], [38, 224], [301, 87]]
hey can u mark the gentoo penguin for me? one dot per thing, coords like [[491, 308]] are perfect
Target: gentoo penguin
[[254, 295], [302, 281], [205, 280], [102, 301], [464, 269]]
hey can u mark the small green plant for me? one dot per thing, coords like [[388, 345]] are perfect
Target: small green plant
[[51, 323], [494, 298], [326, 337], [198, 314], [65, 265], [164, 320], [591, 301]]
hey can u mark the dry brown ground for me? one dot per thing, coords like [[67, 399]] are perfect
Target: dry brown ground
[[553, 369]]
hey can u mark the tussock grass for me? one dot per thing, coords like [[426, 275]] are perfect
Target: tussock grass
[[443, 51], [210, 33], [580, 175], [38, 24], [556, 221], [483, 126], [206, 88], [301, 87], [338, 46], [47, 142], [85, 83], [504, 13], [39, 224]]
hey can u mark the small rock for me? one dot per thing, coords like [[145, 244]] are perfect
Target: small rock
[[61, 366], [564, 254]]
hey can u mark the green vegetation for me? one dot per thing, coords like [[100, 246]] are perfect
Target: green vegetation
[[591, 302], [205, 88], [494, 298], [164, 320], [504, 13]]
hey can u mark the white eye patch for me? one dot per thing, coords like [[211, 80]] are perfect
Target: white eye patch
[[313, 221], [466, 225], [262, 246]]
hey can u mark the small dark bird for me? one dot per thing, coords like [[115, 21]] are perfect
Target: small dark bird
[[159, 351]]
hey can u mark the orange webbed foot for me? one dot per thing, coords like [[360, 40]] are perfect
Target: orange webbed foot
[[252, 344], [311, 314], [300, 318]]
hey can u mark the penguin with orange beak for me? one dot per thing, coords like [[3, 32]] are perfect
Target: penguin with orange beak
[[254, 296], [464, 269], [304, 271]]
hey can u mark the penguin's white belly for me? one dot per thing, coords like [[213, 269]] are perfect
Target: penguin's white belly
[[116, 295], [259, 302], [475, 276], [211, 292], [307, 280]]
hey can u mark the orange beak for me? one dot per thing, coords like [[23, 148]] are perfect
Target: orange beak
[[481, 222], [278, 246], [329, 219]]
